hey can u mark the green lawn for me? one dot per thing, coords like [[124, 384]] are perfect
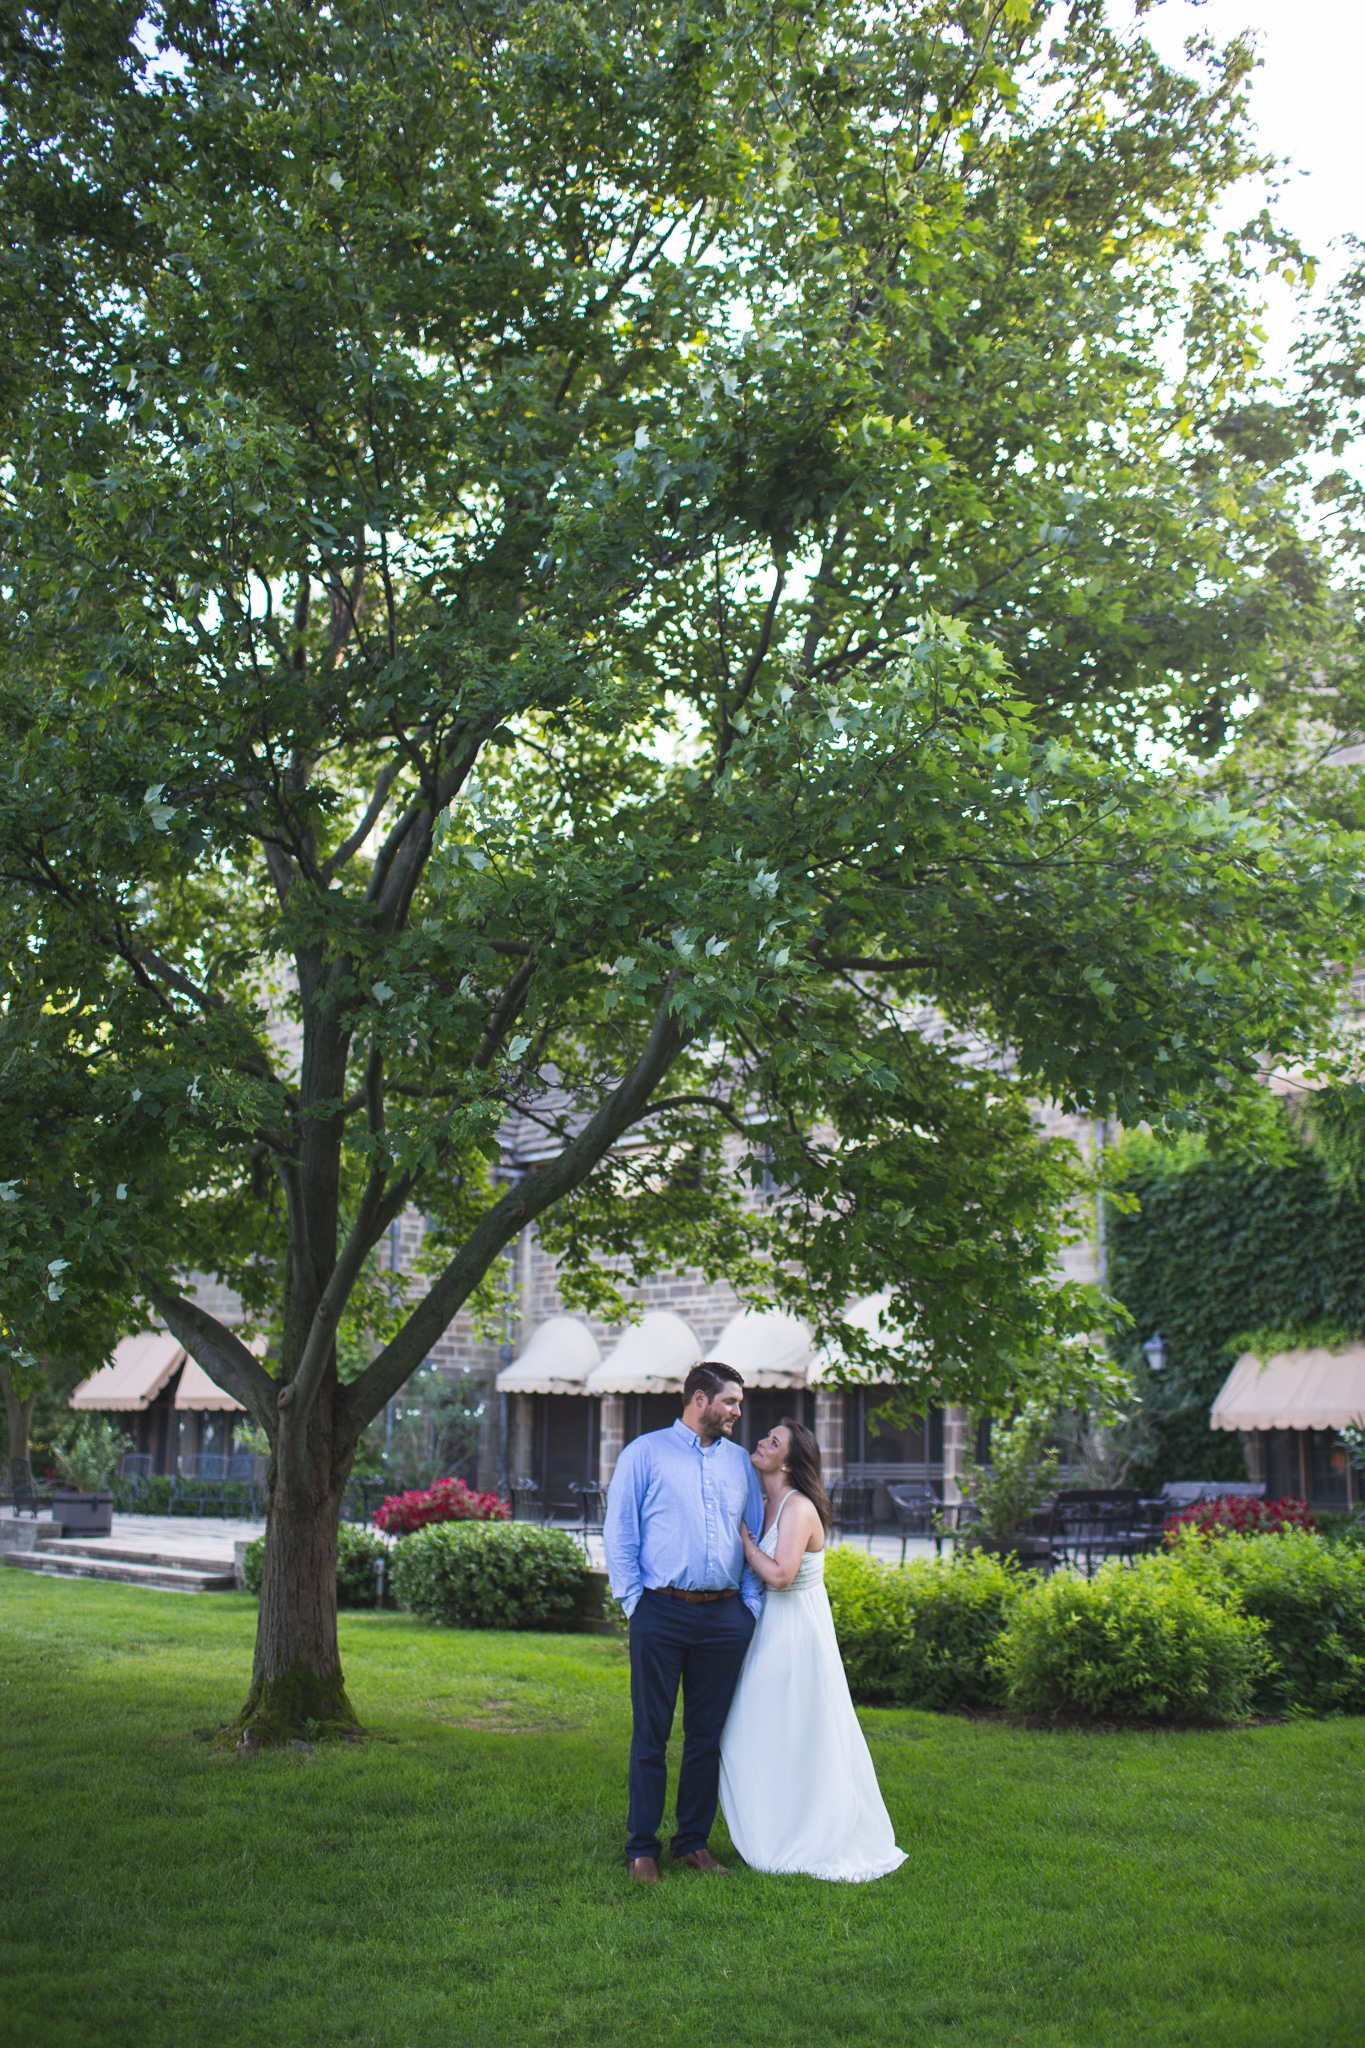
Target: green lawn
[[461, 1878]]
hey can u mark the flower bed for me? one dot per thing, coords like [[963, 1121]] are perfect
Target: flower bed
[[1236, 1514], [449, 1500]]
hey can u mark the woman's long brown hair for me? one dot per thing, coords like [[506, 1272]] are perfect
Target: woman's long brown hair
[[803, 1468]]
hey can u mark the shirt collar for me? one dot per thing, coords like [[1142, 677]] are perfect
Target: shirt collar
[[689, 1436]]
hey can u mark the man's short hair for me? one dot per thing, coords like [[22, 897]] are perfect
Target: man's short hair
[[708, 1378]]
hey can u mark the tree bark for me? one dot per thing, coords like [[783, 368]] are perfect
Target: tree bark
[[297, 1687], [20, 1415]]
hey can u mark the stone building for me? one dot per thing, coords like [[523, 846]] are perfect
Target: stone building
[[563, 1394], [572, 1391]]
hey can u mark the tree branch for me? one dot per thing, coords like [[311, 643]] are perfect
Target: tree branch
[[374, 811], [223, 1356], [535, 1192]]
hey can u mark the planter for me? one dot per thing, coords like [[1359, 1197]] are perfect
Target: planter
[[82, 1514]]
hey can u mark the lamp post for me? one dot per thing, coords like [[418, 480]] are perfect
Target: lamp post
[[1156, 1351]]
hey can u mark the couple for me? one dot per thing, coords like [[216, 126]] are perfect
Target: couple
[[718, 1559]]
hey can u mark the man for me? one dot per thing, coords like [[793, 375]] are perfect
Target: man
[[676, 1562]]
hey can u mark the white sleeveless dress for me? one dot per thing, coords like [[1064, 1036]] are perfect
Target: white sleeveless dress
[[796, 1779]]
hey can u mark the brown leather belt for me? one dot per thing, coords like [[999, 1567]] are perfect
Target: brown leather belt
[[677, 1593]]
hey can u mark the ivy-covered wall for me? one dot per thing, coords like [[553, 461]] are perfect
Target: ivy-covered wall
[[1216, 1249]]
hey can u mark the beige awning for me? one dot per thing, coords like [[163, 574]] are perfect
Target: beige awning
[[871, 1315], [139, 1369], [557, 1358], [654, 1356], [765, 1347], [1293, 1390], [197, 1390]]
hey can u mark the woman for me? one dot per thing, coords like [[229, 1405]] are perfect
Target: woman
[[796, 1779]]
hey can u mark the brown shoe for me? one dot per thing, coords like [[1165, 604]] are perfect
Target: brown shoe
[[702, 1859], [644, 1869]]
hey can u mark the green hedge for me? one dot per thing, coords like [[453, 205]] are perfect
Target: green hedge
[[1137, 1641], [1208, 1630], [1309, 1596], [922, 1634], [357, 1552], [491, 1575]]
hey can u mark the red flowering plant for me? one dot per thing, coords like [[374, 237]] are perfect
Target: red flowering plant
[[1237, 1514], [449, 1500]]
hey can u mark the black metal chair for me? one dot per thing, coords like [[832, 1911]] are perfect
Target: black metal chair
[[363, 1496], [917, 1508], [207, 1479], [592, 1504], [27, 1497], [133, 1472], [851, 1500], [525, 1499], [1090, 1524]]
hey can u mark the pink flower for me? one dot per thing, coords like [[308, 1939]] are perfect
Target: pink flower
[[448, 1500], [1241, 1515]]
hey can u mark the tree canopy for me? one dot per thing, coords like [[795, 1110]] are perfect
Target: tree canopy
[[611, 568]]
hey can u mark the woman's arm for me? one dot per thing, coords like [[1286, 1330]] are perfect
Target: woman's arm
[[799, 1523]]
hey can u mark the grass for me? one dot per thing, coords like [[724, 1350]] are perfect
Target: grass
[[461, 1878]]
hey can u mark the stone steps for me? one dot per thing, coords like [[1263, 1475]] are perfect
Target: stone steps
[[110, 1548], [70, 1559]]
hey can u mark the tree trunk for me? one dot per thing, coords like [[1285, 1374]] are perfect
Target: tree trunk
[[297, 1688], [20, 1415]]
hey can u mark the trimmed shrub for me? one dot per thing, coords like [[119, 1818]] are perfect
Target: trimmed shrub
[[357, 1551], [1144, 1641], [1239, 1515], [922, 1634], [491, 1575], [1309, 1597], [449, 1500]]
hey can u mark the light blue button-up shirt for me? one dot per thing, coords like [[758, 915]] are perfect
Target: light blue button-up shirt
[[674, 1508]]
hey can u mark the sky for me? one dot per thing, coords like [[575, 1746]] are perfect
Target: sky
[[1308, 103]]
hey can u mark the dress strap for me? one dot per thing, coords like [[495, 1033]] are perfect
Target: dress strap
[[780, 1505]]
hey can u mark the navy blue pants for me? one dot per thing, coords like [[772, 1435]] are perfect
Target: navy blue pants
[[701, 1646]]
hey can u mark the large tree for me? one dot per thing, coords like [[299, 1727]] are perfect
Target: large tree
[[606, 566]]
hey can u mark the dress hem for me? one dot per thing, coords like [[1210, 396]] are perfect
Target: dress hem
[[827, 1876]]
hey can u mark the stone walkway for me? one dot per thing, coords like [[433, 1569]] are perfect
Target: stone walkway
[[168, 1535], [212, 1538]]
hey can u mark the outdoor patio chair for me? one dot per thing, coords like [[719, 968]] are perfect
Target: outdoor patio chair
[[851, 1500], [916, 1509], [134, 1471], [27, 1497], [592, 1505], [212, 1479], [526, 1502], [1090, 1524], [362, 1497]]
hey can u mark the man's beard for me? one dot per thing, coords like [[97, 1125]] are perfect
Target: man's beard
[[716, 1425]]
